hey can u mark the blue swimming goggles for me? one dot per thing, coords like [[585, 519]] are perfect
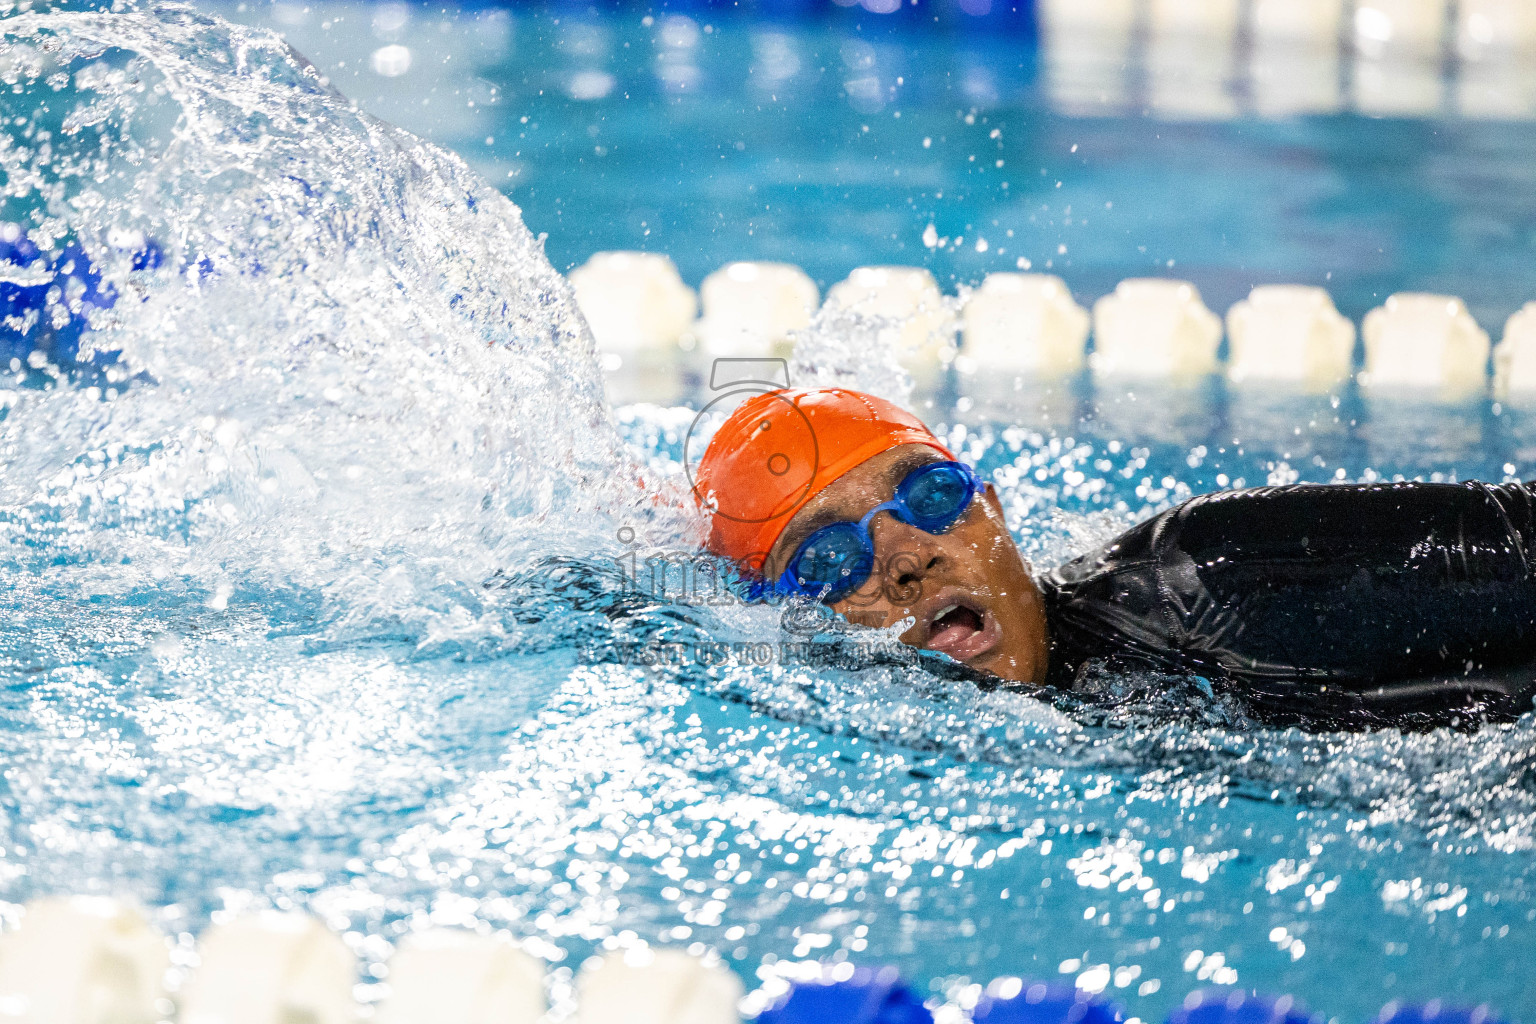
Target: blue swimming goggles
[[838, 558]]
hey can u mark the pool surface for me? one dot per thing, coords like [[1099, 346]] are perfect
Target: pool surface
[[330, 587]]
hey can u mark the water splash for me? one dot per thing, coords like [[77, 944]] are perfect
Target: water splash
[[848, 347], [350, 371]]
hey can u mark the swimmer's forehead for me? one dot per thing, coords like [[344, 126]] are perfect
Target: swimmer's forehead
[[854, 493]]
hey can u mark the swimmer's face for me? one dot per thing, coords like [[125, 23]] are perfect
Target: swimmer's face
[[968, 591]]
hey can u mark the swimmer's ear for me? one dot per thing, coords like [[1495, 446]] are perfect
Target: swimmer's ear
[[993, 500]]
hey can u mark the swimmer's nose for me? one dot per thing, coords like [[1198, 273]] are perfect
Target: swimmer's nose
[[906, 557]]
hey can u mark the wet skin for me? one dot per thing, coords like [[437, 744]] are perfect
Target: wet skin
[[968, 590]]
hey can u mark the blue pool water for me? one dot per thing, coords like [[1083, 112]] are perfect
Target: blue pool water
[[327, 592]]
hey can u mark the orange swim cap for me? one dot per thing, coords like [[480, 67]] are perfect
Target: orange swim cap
[[779, 450]]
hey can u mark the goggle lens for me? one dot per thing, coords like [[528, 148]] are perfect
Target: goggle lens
[[834, 562], [935, 496]]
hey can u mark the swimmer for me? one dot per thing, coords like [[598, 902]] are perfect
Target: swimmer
[[1357, 604]]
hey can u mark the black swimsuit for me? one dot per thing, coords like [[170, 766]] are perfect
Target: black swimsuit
[[1351, 604]]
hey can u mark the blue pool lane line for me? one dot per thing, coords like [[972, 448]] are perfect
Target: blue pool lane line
[[36, 289], [1435, 1012], [864, 995], [1013, 1001], [1235, 1006], [1015, 18]]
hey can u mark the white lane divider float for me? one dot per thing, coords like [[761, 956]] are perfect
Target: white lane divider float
[[666, 986], [1415, 25], [1417, 340], [1398, 73], [1309, 22], [636, 304], [1023, 324], [1190, 56], [83, 960], [1111, 17], [1499, 26], [270, 968], [1086, 48], [1494, 41], [752, 309], [1028, 324], [1289, 333], [1514, 360], [1154, 327], [923, 325], [1294, 63], [447, 976], [1213, 20]]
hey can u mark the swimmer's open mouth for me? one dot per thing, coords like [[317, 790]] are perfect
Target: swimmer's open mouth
[[952, 621], [955, 625]]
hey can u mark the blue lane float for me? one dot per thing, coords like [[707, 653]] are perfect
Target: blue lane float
[[1436, 1012], [1013, 1001], [1235, 1006], [47, 301], [862, 996], [25, 277]]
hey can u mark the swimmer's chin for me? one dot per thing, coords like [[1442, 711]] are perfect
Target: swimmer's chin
[[994, 671], [1008, 670]]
